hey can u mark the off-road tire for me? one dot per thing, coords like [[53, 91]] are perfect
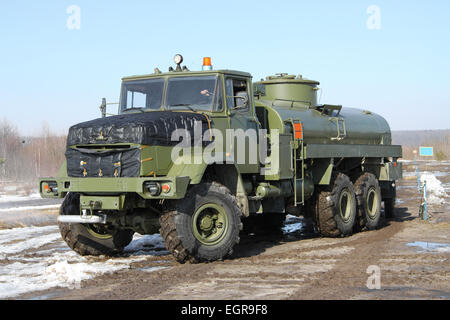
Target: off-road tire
[[330, 223], [80, 240], [368, 197], [265, 224], [177, 230]]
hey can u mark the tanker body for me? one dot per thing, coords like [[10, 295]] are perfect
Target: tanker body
[[344, 163]]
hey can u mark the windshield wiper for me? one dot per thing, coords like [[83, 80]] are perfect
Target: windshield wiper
[[187, 105], [135, 108]]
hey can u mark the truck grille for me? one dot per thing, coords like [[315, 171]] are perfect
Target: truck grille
[[105, 162]]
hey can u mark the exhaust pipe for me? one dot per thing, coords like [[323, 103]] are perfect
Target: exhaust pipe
[[85, 219]]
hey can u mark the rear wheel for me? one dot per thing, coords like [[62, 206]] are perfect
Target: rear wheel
[[368, 196], [204, 226], [335, 208], [91, 239]]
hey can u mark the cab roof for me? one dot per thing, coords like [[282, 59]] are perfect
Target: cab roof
[[187, 73]]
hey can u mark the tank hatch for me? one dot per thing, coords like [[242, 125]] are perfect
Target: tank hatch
[[285, 87]]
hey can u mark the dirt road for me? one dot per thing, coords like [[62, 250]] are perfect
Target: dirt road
[[411, 255]]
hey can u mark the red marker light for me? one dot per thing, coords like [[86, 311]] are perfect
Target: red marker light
[[298, 128]]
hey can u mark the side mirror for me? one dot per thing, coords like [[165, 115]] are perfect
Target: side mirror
[[103, 107]]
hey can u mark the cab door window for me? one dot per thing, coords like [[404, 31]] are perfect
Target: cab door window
[[237, 93]]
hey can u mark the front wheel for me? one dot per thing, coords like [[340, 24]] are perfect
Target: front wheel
[[204, 226], [91, 239]]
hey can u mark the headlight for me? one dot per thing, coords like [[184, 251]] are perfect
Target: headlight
[[153, 187], [178, 59]]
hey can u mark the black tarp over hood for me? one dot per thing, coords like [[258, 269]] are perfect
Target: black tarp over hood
[[147, 128]]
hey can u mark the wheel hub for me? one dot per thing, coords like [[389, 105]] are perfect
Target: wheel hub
[[209, 224]]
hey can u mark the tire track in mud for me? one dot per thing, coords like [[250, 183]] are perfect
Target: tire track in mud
[[349, 274], [263, 269]]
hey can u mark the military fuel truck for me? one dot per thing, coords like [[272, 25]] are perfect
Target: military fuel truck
[[205, 156]]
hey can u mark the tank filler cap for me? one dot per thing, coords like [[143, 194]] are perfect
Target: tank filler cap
[[280, 76]]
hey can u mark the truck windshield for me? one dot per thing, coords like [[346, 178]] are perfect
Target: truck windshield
[[142, 94], [194, 93]]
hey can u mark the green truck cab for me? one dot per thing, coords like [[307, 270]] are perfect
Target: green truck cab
[[204, 156]]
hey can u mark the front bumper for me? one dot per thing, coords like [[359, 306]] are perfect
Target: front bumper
[[59, 187]]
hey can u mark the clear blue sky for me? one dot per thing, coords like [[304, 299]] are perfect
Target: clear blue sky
[[53, 74]]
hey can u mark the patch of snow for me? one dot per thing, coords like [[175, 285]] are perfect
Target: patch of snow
[[32, 243], [38, 207], [292, 224], [146, 244], [17, 198], [435, 191], [56, 265], [289, 228], [152, 269], [58, 270], [11, 235], [431, 246]]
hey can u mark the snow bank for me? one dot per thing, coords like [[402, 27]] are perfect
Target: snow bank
[[13, 235], [435, 191], [18, 198], [37, 207], [59, 270], [50, 262]]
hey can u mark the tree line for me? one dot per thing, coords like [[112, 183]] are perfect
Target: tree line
[[27, 158]]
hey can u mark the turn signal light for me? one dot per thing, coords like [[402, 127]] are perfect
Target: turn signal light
[[165, 188]]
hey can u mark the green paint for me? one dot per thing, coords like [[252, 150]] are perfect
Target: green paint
[[331, 136]]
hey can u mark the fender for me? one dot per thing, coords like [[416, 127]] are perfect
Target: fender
[[226, 174]]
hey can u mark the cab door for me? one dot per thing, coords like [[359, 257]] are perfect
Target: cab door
[[244, 125]]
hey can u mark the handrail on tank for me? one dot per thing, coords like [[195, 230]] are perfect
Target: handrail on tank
[[331, 107], [291, 101]]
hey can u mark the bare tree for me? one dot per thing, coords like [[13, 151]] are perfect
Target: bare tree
[[26, 159]]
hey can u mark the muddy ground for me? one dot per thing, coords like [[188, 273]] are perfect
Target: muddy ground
[[412, 256]]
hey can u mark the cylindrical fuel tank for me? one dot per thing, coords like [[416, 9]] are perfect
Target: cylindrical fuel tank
[[282, 100]]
